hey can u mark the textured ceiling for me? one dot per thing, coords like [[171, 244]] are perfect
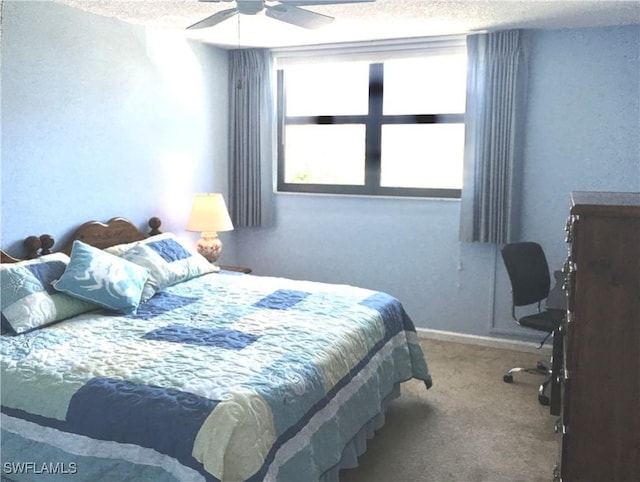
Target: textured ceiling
[[382, 19]]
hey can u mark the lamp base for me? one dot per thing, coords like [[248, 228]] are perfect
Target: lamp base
[[210, 247]]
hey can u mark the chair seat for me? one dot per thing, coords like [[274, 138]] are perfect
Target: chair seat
[[544, 321]]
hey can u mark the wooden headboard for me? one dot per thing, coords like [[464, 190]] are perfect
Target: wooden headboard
[[101, 235]]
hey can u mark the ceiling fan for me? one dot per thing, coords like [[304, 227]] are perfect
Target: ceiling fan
[[285, 10]]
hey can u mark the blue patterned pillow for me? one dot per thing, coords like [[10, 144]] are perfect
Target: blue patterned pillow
[[27, 298], [178, 260], [103, 278]]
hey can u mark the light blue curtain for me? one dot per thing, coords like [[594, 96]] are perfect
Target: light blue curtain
[[496, 84], [251, 134]]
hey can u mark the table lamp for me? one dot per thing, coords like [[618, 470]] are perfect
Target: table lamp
[[209, 215]]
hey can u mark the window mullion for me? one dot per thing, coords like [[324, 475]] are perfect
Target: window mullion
[[326, 119], [373, 137], [423, 119]]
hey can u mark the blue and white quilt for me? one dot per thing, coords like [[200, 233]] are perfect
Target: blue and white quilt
[[222, 377]]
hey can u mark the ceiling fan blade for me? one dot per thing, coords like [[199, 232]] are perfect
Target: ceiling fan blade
[[305, 3], [214, 19], [298, 16]]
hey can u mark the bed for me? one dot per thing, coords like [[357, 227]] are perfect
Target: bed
[[191, 373]]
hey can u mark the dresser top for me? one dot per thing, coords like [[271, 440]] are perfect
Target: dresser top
[[605, 198], [626, 203]]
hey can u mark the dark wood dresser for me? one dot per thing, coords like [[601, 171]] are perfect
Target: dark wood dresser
[[600, 413]]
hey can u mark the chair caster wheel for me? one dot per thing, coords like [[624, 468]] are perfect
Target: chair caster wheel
[[508, 378], [543, 399], [541, 366]]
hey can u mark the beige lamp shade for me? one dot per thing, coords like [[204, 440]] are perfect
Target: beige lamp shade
[[209, 214]]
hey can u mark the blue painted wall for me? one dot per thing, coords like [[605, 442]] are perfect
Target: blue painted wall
[[101, 118], [95, 123]]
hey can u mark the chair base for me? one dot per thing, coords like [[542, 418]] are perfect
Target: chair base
[[542, 368]]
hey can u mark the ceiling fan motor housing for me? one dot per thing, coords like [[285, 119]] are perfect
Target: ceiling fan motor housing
[[250, 7]]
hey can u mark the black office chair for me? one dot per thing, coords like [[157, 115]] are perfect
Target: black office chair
[[530, 285]]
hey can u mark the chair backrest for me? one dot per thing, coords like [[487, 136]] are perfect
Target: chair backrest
[[528, 272]]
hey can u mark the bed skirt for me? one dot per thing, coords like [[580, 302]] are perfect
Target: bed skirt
[[358, 444]]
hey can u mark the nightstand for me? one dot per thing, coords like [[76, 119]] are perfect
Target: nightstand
[[236, 269]]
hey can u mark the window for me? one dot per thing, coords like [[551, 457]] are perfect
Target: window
[[383, 127]]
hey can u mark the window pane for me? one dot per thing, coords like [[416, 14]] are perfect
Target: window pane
[[422, 155], [433, 85], [327, 89], [325, 154]]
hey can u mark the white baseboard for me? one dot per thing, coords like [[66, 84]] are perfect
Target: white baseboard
[[523, 346]]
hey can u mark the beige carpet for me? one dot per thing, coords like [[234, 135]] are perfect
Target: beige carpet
[[470, 426]]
